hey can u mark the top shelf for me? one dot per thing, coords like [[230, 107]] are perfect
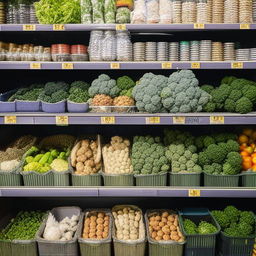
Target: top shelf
[[130, 27]]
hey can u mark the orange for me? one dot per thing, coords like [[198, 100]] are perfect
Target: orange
[[253, 155], [249, 150], [243, 146], [254, 167], [244, 153], [254, 160], [243, 139], [248, 132], [247, 159], [247, 165]]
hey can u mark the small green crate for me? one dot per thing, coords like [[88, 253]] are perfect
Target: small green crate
[[235, 246], [61, 179], [123, 180], [151, 180], [221, 180], [5, 248], [24, 248], [10, 179], [34, 179], [86, 180], [249, 179], [185, 179]]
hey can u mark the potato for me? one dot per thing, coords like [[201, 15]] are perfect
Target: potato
[[81, 158], [80, 151], [80, 166]]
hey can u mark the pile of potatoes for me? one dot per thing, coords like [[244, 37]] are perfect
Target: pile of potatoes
[[96, 226], [86, 157], [127, 223], [165, 226]]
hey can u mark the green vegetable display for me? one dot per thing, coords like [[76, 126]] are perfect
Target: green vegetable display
[[203, 228], [86, 11], [23, 227], [110, 11], [98, 11], [235, 223], [123, 15]]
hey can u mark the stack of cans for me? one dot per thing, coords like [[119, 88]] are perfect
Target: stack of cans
[[229, 51], [243, 54], [184, 51], [10, 14], [174, 51], [195, 50], [205, 50], [201, 11], [254, 10], [253, 54], [139, 51], [231, 10], [217, 51], [2, 12], [32, 15], [151, 51], [162, 51], [245, 11], [218, 11], [24, 11]]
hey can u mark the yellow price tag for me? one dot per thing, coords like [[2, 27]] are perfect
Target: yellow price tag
[[166, 65], [67, 66], [58, 27], [10, 120], [179, 120], [120, 26], [199, 26], [61, 120], [153, 120], [194, 192], [108, 120], [29, 27], [35, 65], [245, 26], [237, 65], [217, 119], [115, 65], [195, 65]]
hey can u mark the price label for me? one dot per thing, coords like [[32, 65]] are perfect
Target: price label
[[35, 65], [217, 119], [61, 120], [166, 65], [115, 65], [199, 26], [10, 120], [195, 65], [58, 27], [108, 120], [192, 120], [237, 65], [153, 120], [29, 27], [67, 66], [179, 120], [245, 26], [120, 26], [194, 193]]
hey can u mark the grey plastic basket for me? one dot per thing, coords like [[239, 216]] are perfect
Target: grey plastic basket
[[163, 248], [129, 248], [248, 179], [185, 179], [118, 179], [10, 179], [35, 179], [60, 248], [90, 247], [151, 180], [86, 180], [221, 180]]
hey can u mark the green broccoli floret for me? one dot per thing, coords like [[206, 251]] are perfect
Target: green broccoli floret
[[79, 84], [207, 88], [235, 95], [59, 96], [208, 140], [222, 218], [232, 232], [228, 80], [230, 105], [53, 87], [232, 213], [215, 153], [209, 107], [125, 83], [249, 91], [247, 217], [245, 229], [190, 227], [126, 93], [32, 95], [203, 159], [78, 96], [206, 228], [234, 159], [238, 84], [244, 105], [232, 145]]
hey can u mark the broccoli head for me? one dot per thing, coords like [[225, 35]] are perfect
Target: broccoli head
[[206, 228], [125, 83], [190, 227], [244, 105], [222, 218], [79, 84], [59, 96], [78, 95]]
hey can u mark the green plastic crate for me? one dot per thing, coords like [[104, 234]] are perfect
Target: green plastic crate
[[151, 180], [35, 179], [86, 180], [24, 248], [185, 179], [118, 180], [221, 180], [10, 179], [248, 179], [5, 248], [61, 179]]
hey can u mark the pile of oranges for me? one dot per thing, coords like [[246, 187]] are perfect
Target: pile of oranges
[[247, 142]]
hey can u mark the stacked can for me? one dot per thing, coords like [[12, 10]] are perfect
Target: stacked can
[[188, 11], [254, 10], [2, 12], [60, 52], [243, 54], [231, 9], [79, 53], [124, 46], [194, 50], [109, 51], [229, 51], [151, 49], [205, 50], [184, 51], [139, 51], [218, 11], [245, 11], [32, 15], [209, 11], [174, 51], [10, 14], [176, 11], [201, 11], [253, 54], [162, 51], [95, 45], [23, 13], [217, 51]]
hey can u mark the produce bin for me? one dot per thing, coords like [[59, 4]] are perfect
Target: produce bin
[[6, 106], [10, 179], [59, 107], [118, 179], [151, 180], [235, 246], [91, 247], [185, 179], [248, 179], [61, 179], [73, 107], [5, 248], [199, 245], [27, 106], [35, 179], [60, 248], [221, 180], [163, 248], [129, 248], [86, 180]]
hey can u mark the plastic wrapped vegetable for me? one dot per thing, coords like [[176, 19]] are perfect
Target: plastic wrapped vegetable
[[97, 11], [152, 7], [86, 11], [123, 15], [139, 13], [165, 11], [110, 11]]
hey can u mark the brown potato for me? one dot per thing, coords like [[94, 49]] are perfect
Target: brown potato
[[164, 220], [171, 218], [158, 218], [101, 215], [156, 228], [173, 228], [161, 224], [165, 214], [166, 237], [160, 233], [100, 221], [166, 229], [105, 234], [154, 235], [158, 238], [80, 151], [79, 166], [169, 223], [81, 158]]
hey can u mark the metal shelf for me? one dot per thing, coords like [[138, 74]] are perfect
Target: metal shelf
[[125, 65], [130, 27], [126, 192]]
